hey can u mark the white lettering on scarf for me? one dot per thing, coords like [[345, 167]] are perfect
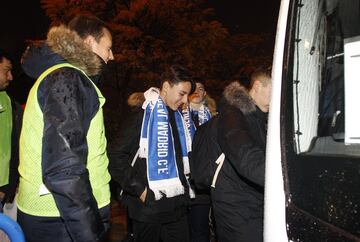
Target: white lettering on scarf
[[162, 140]]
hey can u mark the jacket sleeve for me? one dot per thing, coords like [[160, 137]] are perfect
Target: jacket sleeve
[[240, 149], [121, 153], [68, 104]]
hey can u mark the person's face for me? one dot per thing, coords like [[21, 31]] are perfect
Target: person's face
[[262, 95], [176, 95], [5, 73], [199, 94], [103, 47]]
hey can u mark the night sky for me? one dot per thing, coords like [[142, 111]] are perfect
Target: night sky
[[247, 16], [21, 20], [29, 21], [25, 20]]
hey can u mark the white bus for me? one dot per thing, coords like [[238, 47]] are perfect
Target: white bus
[[312, 190]]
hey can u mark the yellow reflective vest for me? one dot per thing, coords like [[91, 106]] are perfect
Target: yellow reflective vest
[[5, 137], [33, 197]]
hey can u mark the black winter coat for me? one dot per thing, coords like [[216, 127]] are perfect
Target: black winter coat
[[242, 137]]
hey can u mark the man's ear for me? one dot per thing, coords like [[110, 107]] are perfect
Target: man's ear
[[166, 86], [89, 40], [256, 85]]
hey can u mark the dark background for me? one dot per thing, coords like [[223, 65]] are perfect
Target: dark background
[[22, 20], [26, 20]]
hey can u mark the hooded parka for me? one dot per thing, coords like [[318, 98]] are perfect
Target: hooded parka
[[238, 196]]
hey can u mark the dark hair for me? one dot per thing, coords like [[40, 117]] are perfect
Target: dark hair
[[85, 25], [4, 54], [176, 74], [199, 80], [262, 74]]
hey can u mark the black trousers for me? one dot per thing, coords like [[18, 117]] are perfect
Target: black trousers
[[199, 223], [177, 231], [51, 229]]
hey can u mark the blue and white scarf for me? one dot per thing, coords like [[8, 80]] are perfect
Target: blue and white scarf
[[187, 114], [157, 146], [203, 114]]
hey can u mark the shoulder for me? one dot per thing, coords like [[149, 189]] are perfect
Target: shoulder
[[231, 113], [66, 80], [66, 84], [231, 119], [68, 76]]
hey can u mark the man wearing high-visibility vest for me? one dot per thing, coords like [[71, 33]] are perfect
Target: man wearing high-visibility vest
[[10, 125], [64, 190]]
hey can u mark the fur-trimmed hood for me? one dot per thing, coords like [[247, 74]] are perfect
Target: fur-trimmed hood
[[70, 46], [237, 95], [62, 45]]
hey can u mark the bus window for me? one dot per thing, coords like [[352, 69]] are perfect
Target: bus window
[[322, 29]]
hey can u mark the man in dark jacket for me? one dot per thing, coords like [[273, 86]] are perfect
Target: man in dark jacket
[[238, 196], [10, 125], [64, 190], [155, 188]]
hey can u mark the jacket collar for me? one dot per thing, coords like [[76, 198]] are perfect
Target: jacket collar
[[62, 45], [71, 47], [237, 95]]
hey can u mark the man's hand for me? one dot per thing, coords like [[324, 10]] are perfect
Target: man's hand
[[143, 195]]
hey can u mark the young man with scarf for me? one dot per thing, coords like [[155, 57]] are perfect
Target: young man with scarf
[[196, 112], [155, 187]]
